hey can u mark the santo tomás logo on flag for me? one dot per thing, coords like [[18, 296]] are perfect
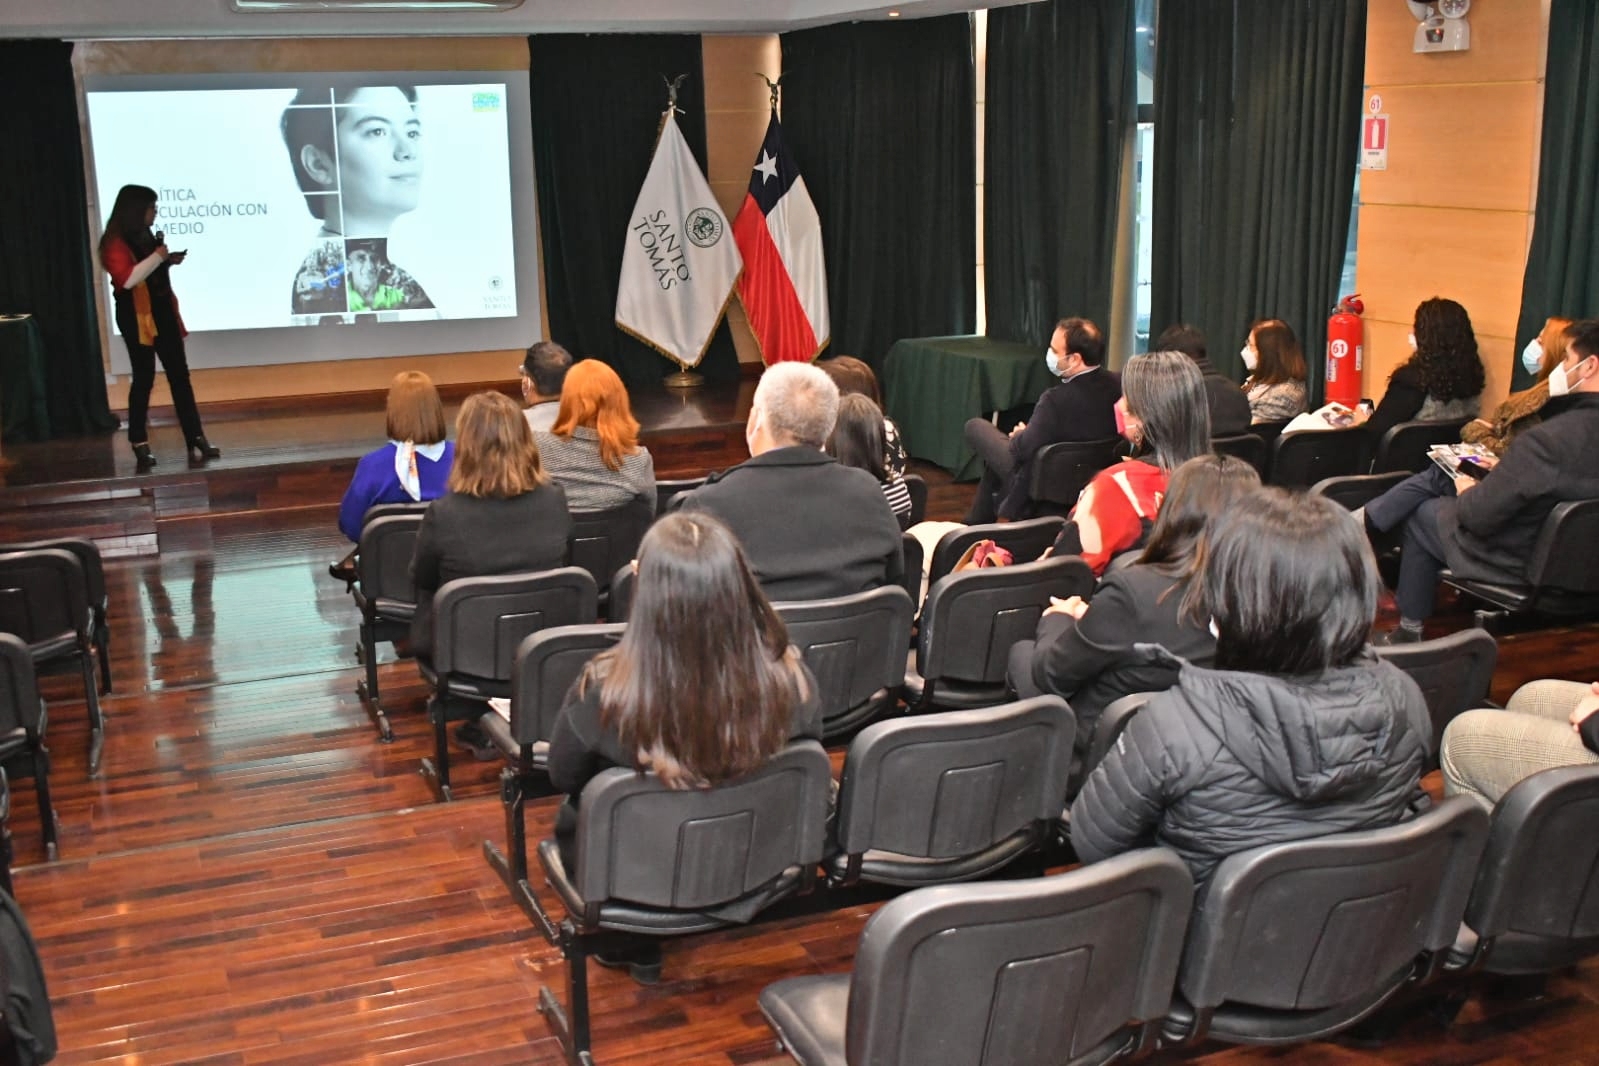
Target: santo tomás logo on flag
[[680, 262], [784, 287]]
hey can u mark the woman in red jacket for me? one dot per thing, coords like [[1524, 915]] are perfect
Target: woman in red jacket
[[147, 316]]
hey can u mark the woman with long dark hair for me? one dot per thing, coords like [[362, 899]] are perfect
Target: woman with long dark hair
[[857, 441], [1276, 365], [1442, 380], [146, 311], [702, 688]]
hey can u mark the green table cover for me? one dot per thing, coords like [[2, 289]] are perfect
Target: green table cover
[[24, 410], [932, 385]]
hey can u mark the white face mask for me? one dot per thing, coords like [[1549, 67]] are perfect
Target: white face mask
[[1532, 355], [1560, 383], [1247, 354], [1052, 361], [1412, 339]]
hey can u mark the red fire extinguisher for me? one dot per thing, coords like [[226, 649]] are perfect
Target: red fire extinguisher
[[1346, 349]]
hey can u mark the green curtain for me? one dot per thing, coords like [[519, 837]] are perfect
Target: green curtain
[[880, 118], [597, 102], [1061, 101], [1562, 275], [1257, 116], [49, 269]]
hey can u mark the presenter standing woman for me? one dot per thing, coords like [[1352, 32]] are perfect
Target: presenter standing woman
[[147, 316]]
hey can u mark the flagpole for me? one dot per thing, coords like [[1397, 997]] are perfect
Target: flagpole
[[683, 378]]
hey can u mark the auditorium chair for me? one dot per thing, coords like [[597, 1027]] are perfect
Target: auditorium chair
[[1403, 449], [916, 485], [1025, 541], [1562, 573], [1061, 471], [1076, 968], [478, 625], [1112, 720], [45, 602], [1299, 460], [1534, 907], [969, 623], [384, 594], [951, 797], [1453, 672], [1350, 491], [912, 577], [1250, 447], [652, 862], [547, 663], [601, 542], [88, 556], [665, 491], [22, 726], [855, 649], [1300, 940]]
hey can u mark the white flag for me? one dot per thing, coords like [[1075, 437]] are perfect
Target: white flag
[[680, 261]]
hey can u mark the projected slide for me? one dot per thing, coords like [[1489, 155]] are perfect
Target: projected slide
[[321, 200]]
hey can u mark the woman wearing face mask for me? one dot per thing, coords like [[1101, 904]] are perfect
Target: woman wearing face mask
[[1276, 365], [1442, 380], [1521, 411]]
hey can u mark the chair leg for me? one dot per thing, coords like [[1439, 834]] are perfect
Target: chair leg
[[510, 864], [368, 689], [47, 810], [437, 769], [6, 854], [92, 698], [102, 645], [571, 1032]]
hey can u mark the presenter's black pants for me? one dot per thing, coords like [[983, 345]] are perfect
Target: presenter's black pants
[[168, 348]]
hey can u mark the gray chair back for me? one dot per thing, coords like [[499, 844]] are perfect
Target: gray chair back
[[971, 619], [1356, 490], [480, 622], [855, 648], [1062, 470], [1250, 447], [387, 510], [1025, 541], [602, 542], [20, 706], [666, 491], [1019, 973], [954, 785], [1315, 924], [1535, 904], [1112, 720], [383, 561], [547, 663], [1454, 673], [42, 596], [691, 849], [88, 555], [1562, 556], [1299, 460], [1404, 447], [916, 485], [911, 579]]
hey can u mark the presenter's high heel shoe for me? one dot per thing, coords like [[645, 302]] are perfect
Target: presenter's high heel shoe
[[201, 449], [142, 459]]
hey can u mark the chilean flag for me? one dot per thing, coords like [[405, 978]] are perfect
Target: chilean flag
[[784, 286]]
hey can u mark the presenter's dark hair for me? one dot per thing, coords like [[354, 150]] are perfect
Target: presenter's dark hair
[[127, 217], [1084, 338], [1166, 392], [1291, 583], [857, 438], [703, 685], [1190, 340], [310, 119], [546, 363]]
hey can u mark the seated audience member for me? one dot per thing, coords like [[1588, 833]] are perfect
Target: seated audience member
[[1298, 731], [543, 373], [1485, 530], [1085, 651], [592, 450], [810, 527], [1078, 408], [502, 514], [1442, 380], [1522, 409], [1275, 387], [1229, 408], [1163, 413], [697, 705], [413, 466], [854, 377], [1487, 753], [857, 441]]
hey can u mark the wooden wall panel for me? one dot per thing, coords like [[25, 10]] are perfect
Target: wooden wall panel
[[1507, 44]]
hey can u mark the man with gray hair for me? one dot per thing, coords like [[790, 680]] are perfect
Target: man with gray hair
[[810, 528]]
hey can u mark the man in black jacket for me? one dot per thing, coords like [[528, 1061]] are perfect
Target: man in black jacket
[[1486, 531], [1229, 407], [810, 528], [1080, 408]]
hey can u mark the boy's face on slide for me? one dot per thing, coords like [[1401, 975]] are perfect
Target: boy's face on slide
[[363, 272], [380, 153]]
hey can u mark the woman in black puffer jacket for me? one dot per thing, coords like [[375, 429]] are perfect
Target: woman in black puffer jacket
[[1299, 731]]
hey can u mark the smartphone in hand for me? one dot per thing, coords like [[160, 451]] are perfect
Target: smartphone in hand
[[1475, 469]]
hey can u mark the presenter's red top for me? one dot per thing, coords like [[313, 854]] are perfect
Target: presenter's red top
[[122, 262]]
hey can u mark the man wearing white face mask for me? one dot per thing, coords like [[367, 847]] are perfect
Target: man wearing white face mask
[[1486, 531], [1080, 408]]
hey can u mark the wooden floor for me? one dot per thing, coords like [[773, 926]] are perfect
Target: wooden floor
[[255, 879]]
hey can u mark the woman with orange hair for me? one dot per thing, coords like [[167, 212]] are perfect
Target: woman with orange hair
[[592, 451]]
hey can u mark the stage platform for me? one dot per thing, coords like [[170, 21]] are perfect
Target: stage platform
[[289, 454]]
